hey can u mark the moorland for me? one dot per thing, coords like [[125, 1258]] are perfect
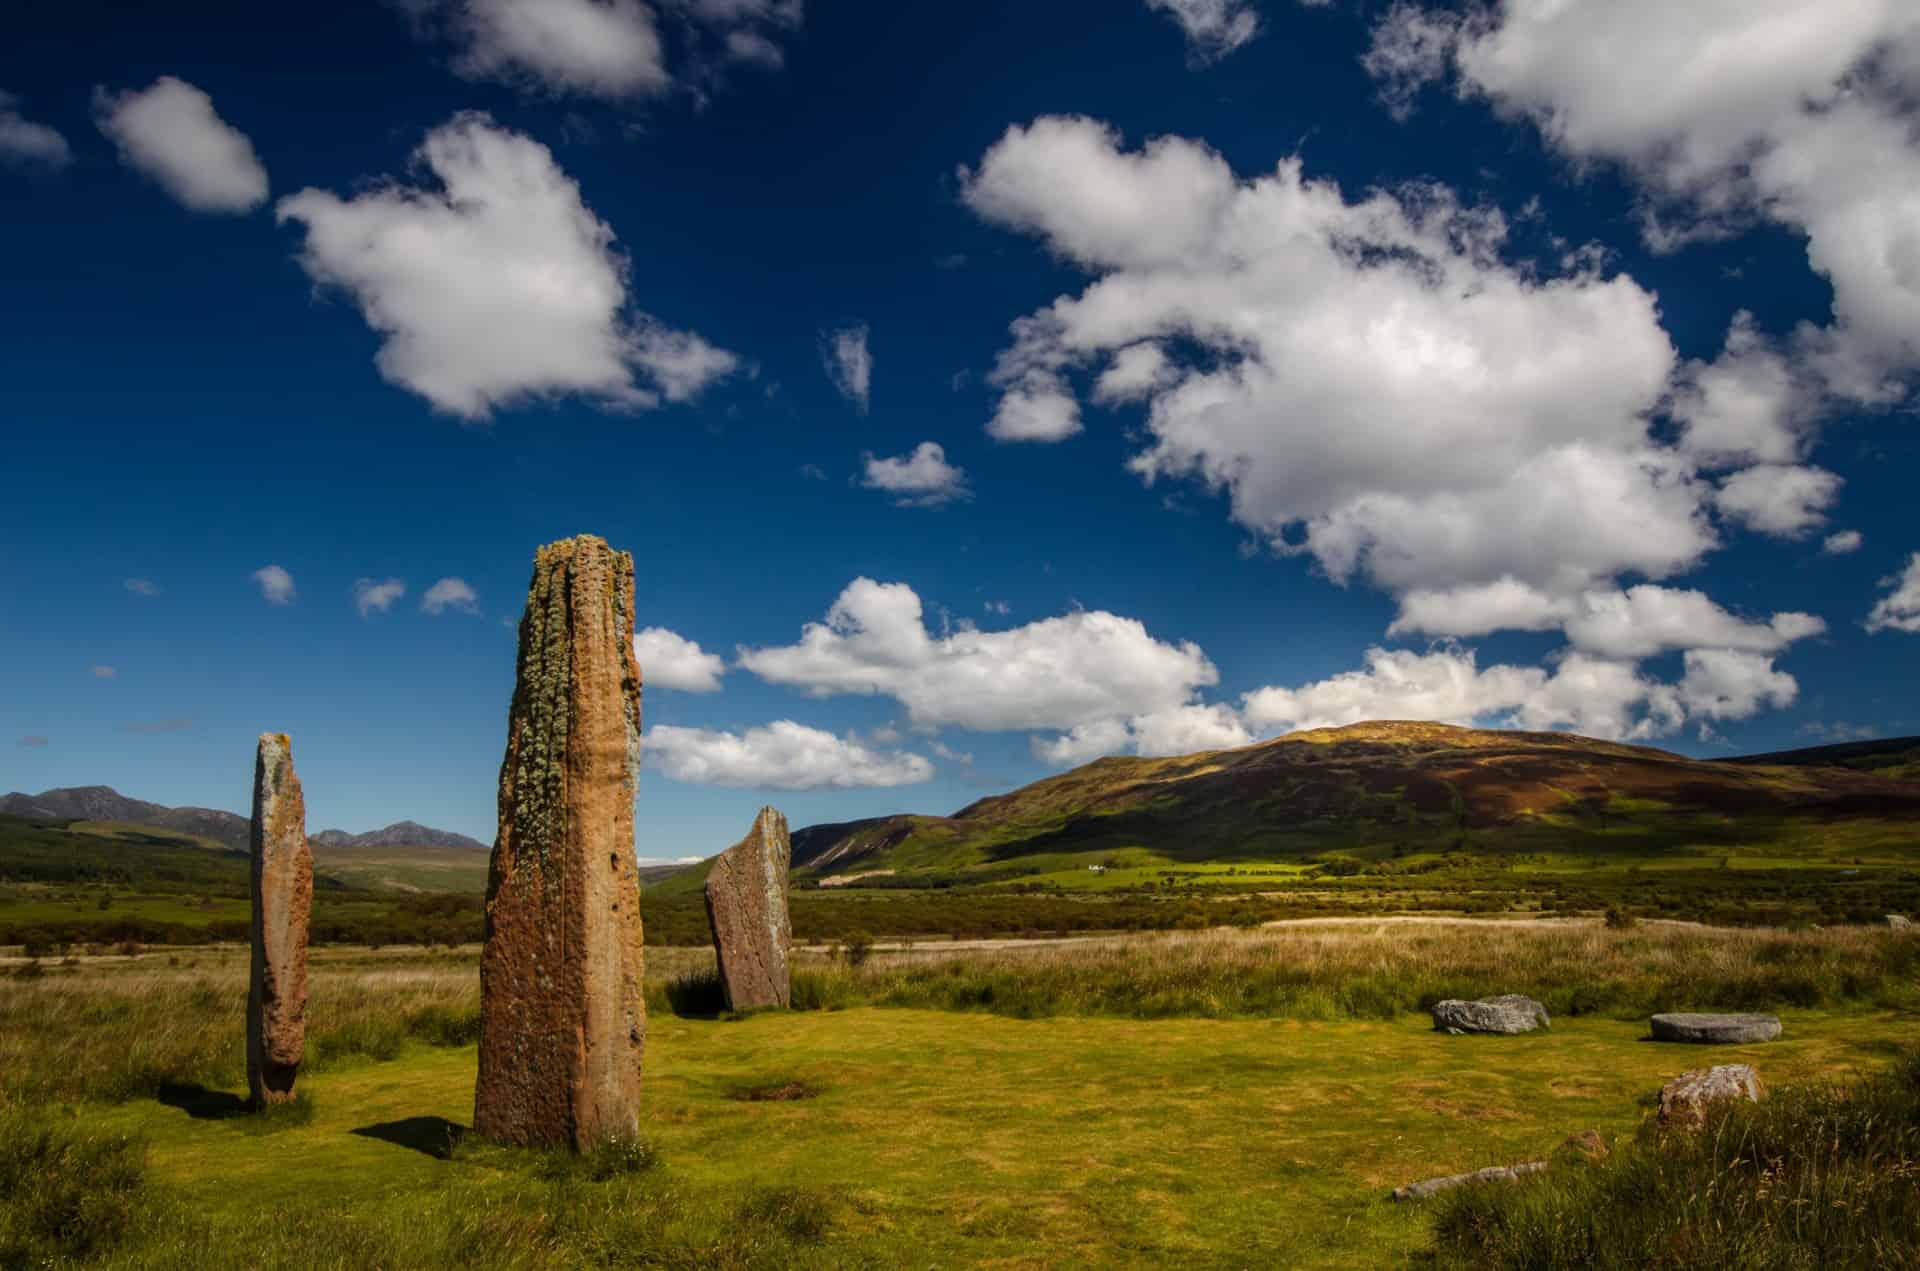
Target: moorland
[[1147, 1013]]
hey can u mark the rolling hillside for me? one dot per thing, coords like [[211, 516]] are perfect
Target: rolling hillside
[[1386, 790]]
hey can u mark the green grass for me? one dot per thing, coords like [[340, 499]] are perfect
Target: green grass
[[856, 1136], [936, 1139]]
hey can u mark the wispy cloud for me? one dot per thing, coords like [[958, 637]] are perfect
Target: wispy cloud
[[849, 363], [143, 587], [33, 742], [103, 672]]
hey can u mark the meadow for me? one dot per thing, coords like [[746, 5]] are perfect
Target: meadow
[[1218, 1098]]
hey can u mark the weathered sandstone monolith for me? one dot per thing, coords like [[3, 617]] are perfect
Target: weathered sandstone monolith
[[562, 1016], [282, 905], [747, 905]]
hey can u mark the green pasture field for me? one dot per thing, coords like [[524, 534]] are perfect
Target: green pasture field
[[943, 1140]]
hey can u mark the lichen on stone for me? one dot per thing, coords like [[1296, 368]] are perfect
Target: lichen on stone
[[544, 717]]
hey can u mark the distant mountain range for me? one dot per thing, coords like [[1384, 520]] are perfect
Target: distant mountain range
[[1383, 789], [103, 803]]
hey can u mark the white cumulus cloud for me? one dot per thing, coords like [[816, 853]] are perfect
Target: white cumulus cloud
[[1786, 501], [170, 132], [610, 49], [670, 660], [449, 593], [1899, 609], [782, 755], [1058, 673], [1634, 623], [1726, 113], [1842, 543], [1182, 730], [921, 478], [495, 283], [370, 597], [275, 583], [1366, 379]]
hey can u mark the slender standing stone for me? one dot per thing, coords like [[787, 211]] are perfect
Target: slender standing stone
[[282, 905], [747, 906], [562, 1016]]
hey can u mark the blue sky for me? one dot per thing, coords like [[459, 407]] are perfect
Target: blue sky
[[1121, 377]]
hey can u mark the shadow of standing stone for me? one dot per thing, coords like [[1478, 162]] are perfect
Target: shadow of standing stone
[[562, 1015], [747, 907], [282, 881]]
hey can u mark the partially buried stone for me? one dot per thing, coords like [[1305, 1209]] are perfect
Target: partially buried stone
[[1715, 1030], [562, 1012], [1494, 1174], [1684, 1101], [282, 884], [747, 907], [1509, 1013], [1899, 922]]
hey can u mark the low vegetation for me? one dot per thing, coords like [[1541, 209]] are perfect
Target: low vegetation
[[1822, 1175], [1092, 1127]]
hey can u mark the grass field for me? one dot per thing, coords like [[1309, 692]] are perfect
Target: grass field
[[1142, 1120]]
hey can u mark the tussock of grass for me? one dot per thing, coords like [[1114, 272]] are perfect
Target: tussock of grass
[[1819, 1176], [774, 1090], [66, 1192]]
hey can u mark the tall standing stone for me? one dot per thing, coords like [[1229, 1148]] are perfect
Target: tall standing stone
[[282, 906], [747, 905], [562, 1016]]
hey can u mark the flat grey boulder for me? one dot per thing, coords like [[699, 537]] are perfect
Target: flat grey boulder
[[1715, 1030], [1900, 922], [1496, 1174], [1508, 1013]]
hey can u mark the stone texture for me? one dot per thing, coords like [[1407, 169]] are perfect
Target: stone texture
[[1494, 1174], [1899, 922], [1715, 1030], [747, 907], [1684, 1101], [562, 1015], [282, 907], [1508, 1013]]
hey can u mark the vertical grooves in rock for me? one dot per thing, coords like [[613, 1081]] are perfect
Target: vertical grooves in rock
[[563, 1019]]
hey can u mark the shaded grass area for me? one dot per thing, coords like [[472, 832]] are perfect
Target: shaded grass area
[[1825, 1175]]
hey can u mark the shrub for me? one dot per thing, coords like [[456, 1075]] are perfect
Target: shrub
[[1620, 920], [858, 947]]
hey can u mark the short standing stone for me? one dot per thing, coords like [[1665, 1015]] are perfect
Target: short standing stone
[[1715, 1030], [562, 1015], [747, 905], [1684, 1101], [282, 883], [1899, 922], [1508, 1013]]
